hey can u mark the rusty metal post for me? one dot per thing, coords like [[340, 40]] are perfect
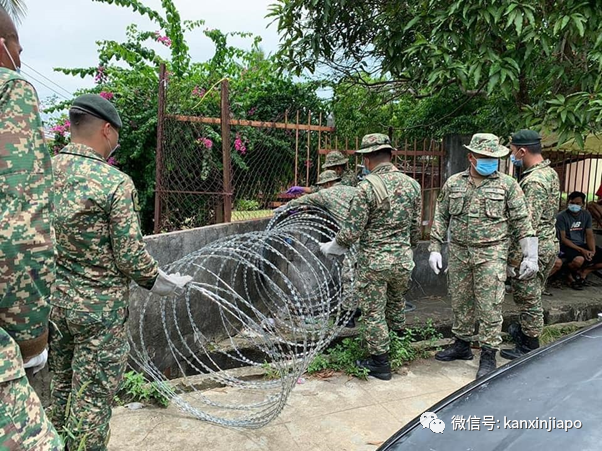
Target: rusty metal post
[[297, 152], [307, 156], [158, 154], [226, 157]]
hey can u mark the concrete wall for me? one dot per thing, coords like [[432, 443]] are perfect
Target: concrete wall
[[170, 247]]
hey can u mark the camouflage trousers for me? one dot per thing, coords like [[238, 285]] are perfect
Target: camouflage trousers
[[527, 293], [381, 298], [347, 277], [476, 279], [88, 355], [23, 423]]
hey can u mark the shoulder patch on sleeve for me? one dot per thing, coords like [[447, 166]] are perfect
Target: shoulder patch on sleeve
[[136, 201]]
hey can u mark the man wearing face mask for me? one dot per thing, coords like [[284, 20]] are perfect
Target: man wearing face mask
[[541, 186], [99, 251], [577, 241], [484, 209], [27, 268]]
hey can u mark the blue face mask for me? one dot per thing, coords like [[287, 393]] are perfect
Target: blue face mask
[[515, 162], [486, 166], [574, 208]]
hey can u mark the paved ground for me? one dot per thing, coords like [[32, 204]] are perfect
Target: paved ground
[[339, 413], [322, 415]]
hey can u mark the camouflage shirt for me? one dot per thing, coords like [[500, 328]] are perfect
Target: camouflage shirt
[[478, 216], [99, 241], [26, 235], [542, 194], [386, 232], [335, 200]]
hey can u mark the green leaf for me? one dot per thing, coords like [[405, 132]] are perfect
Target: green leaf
[[493, 81], [477, 74], [579, 25], [411, 23], [518, 24], [565, 21]]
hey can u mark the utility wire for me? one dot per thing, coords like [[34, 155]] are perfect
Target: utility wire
[[48, 79], [44, 84]]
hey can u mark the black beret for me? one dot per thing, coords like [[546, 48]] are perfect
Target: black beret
[[525, 138], [97, 106]]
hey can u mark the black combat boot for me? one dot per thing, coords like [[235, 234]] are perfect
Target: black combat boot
[[487, 363], [378, 366], [460, 350], [527, 344]]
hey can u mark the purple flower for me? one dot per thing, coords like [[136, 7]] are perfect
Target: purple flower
[[106, 95], [112, 161]]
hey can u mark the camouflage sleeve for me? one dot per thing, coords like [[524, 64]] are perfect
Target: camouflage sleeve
[[27, 269], [308, 199], [417, 218], [356, 221], [518, 213], [440, 220], [535, 198], [129, 249]]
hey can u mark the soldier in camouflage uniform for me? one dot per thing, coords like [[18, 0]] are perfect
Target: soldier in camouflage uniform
[[100, 249], [337, 162], [27, 267], [484, 209], [385, 217], [335, 198], [541, 186]]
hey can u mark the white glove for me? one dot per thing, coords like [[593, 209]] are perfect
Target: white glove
[[167, 284], [332, 248], [529, 266], [436, 262], [510, 271], [38, 362]]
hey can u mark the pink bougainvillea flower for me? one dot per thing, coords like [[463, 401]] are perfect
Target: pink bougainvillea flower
[[112, 161], [239, 145], [100, 76], [205, 142], [107, 95], [199, 92], [162, 39]]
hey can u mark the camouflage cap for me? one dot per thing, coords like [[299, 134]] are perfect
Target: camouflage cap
[[99, 107], [488, 145], [328, 176], [525, 138], [334, 158], [374, 142]]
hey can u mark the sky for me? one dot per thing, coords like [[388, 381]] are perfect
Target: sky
[[63, 33]]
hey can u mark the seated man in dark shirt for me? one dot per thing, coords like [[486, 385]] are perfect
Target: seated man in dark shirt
[[577, 242]]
